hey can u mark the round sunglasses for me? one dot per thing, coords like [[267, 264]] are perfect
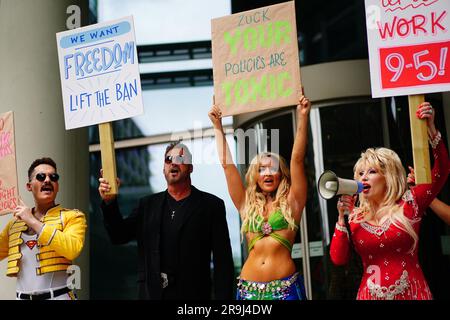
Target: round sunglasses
[[54, 177]]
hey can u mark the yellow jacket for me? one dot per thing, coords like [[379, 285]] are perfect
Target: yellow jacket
[[60, 241]]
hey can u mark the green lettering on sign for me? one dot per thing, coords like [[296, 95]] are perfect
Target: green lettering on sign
[[268, 87], [264, 36]]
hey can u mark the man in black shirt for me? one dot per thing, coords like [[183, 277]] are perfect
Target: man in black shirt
[[177, 231]]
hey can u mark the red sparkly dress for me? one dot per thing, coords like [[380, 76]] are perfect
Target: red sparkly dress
[[391, 271]]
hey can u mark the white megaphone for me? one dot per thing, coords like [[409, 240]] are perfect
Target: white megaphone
[[330, 185]]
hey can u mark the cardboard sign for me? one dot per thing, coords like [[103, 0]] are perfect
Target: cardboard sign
[[255, 59], [99, 73], [9, 192], [409, 46]]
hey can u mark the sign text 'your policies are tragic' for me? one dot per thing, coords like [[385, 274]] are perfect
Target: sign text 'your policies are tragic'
[[255, 59], [409, 46], [99, 73]]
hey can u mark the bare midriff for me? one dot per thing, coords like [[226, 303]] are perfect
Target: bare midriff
[[268, 260]]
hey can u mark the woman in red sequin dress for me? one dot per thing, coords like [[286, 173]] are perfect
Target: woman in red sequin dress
[[385, 225]]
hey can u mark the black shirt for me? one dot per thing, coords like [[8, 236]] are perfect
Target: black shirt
[[170, 225]]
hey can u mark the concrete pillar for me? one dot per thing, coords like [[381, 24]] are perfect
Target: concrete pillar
[[30, 86]]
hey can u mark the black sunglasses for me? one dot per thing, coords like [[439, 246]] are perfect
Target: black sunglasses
[[180, 159], [54, 177]]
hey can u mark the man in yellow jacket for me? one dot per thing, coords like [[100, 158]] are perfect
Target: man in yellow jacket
[[41, 242]]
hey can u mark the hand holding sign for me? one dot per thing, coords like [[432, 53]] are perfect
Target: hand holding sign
[[426, 111], [304, 106], [215, 115], [411, 178], [23, 212], [104, 188]]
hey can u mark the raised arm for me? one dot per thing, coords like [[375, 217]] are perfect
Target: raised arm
[[425, 193], [120, 230], [297, 194], [441, 209], [235, 185]]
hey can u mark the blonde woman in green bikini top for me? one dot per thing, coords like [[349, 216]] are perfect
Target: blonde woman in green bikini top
[[270, 207]]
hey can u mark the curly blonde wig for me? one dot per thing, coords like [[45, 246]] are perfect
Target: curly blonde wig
[[255, 199], [390, 167]]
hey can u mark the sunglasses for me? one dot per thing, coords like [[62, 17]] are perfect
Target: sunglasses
[[272, 170], [180, 159], [54, 177]]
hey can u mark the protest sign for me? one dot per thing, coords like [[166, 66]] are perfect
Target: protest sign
[[100, 81], [409, 43], [255, 59], [9, 192], [99, 71]]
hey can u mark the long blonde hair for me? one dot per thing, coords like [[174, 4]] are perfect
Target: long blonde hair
[[255, 199], [389, 165]]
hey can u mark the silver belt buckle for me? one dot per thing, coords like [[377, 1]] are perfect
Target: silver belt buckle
[[164, 280]]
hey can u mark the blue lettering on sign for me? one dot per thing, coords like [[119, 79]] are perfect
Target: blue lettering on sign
[[102, 98], [125, 92], [80, 101], [99, 60], [95, 35]]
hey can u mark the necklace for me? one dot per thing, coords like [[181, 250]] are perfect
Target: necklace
[[377, 230], [172, 210]]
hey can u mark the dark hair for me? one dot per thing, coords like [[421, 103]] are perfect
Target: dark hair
[[179, 145], [37, 162]]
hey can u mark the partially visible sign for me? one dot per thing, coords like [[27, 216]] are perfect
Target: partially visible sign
[[409, 46], [9, 193], [315, 250], [99, 73], [255, 59]]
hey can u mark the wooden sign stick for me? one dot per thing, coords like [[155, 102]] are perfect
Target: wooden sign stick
[[108, 155], [419, 137]]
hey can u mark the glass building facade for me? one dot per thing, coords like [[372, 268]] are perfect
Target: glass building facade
[[176, 73]]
